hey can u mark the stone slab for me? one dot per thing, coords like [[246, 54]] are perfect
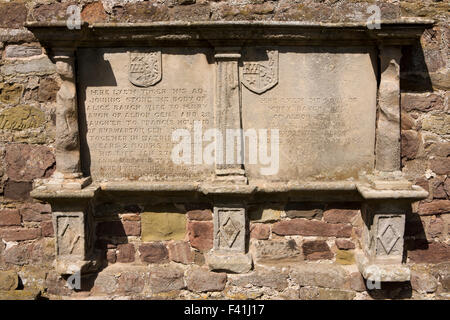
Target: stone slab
[[128, 115]]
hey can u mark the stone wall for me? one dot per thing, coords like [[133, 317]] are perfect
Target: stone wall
[[300, 250]]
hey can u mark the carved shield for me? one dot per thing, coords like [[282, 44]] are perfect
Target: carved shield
[[260, 69], [145, 68]]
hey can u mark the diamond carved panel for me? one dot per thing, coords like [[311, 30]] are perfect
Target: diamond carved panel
[[229, 229]]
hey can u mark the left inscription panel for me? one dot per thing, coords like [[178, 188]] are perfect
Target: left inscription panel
[[131, 100]]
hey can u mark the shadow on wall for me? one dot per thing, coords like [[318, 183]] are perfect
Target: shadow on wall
[[414, 74]]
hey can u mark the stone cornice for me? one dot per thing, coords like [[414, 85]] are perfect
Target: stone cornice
[[391, 32]]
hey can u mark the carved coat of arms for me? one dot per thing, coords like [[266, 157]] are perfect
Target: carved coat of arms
[[260, 69], [145, 68]]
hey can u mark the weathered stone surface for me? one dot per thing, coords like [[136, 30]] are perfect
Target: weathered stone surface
[[111, 255], [421, 102], [132, 282], [434, 207], [125, 252], [31, 294], [200, 215], [150, 134], [202, 280], [263, 214], [10, 217], [410, 143], [153, 252], [166, 278], [344, 244], [20, 234], [304, 210], [22, 51], [388, 148], [35, 66], [438, 124], [434, 252], [48, 88], [316, 250], [35, 212], [163, 226], [440, 165], [50, 11], [21, 117], [259, 231], [106, 283], [275, 250], [11, 93], [313, 114], [339, 215], [201, 235], [311, 228], [320, 275], [436, 227], [94, 12], [27, 162], [47, 228], [357, 282], [180, 251], [325, 294], [17, 190], [8, 280], [12, 15], [423, 282], [274, 279], [345, 257], [229, 262]]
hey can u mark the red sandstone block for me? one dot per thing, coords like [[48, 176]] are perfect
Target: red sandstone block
[[20, 234], [201, 235], [10, 217], [305, 227]]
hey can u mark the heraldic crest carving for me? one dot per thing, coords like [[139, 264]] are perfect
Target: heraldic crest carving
[[145, 68], [260, 69]]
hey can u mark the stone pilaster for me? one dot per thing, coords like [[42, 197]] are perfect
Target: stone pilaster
[[229, 162], [388, 153]]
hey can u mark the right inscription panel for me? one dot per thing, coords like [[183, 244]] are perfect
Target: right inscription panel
[[322, 101]]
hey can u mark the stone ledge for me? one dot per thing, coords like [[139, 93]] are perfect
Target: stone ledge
[[229, 262], [369, 193], [382, 272]]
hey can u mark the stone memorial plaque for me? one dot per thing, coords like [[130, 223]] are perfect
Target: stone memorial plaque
[[131, 101], [323, 104]]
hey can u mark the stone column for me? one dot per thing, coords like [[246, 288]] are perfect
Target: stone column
[[67, 133], [68, 164], [228, 115], [388, 153], [230, 240]]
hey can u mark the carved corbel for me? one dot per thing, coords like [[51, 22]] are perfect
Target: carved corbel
[[230, 240]]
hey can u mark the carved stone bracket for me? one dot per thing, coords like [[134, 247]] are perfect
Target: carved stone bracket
[[74, 228], [230, 240], [384, 214]]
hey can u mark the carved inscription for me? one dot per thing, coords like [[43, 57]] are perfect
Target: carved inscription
[[128, 130], [326, 117]]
